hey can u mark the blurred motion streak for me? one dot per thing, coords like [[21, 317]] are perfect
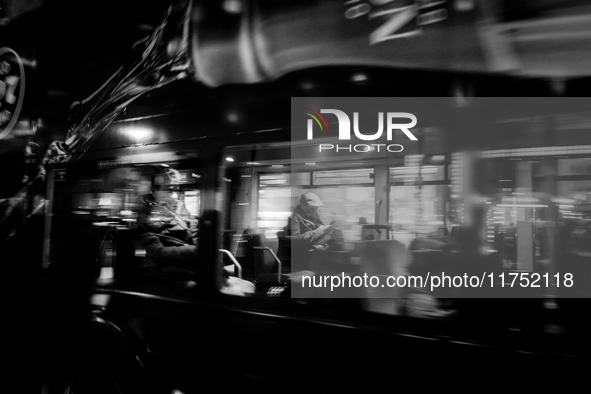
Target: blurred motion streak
[[259, 41]]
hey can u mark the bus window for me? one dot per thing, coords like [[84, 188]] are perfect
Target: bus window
[[264, 188], [127, 222], [260, 196], [420, 198], [418, 209], [439, 212]]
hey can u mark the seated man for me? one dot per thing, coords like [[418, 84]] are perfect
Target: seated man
[[167, 231], [308, 233]]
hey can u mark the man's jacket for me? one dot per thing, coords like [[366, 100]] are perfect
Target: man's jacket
[[305, 230]]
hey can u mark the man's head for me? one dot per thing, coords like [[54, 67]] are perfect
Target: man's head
[[310, 203], [165, 186], [168, 193]]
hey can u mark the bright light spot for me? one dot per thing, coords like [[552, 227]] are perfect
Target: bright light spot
[[105, 201], [272, 215], [464, 5], [229, 159], [233, 6], [232, 117], [359, 77], [138, 133], [522, 206], [107, 273], [100, 299]]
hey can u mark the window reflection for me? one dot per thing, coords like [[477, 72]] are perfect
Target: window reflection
[[103, 215], [418, 210], [459, 213]]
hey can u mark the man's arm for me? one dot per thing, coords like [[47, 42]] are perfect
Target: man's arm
[[312, 237]]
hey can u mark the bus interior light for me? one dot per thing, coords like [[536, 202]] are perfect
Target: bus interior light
[[138, 134], [359, 77]]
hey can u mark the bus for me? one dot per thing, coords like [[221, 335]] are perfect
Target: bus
[[496, 183]]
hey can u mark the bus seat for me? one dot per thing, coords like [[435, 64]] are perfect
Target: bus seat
[[264, 261], [284, 250], [243, 253], [259, 261], [268, 268]]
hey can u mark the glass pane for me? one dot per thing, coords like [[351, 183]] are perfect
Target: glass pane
[[193, 201], [107, 220], [417, 210], [578, 191], [274, 210], [281, 179], [344, 177], [284, 179], [415, 174], [575, 166], [347, 205], [259, 203], [300, 178]]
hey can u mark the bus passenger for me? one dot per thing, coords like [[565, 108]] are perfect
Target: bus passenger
[[167, 231], [308, 233]]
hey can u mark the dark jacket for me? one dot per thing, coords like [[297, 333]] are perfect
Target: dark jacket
[[167, 242], [169, 224], [305, 230]]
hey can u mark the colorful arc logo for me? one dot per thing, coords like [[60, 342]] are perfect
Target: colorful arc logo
[[315, 118]]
